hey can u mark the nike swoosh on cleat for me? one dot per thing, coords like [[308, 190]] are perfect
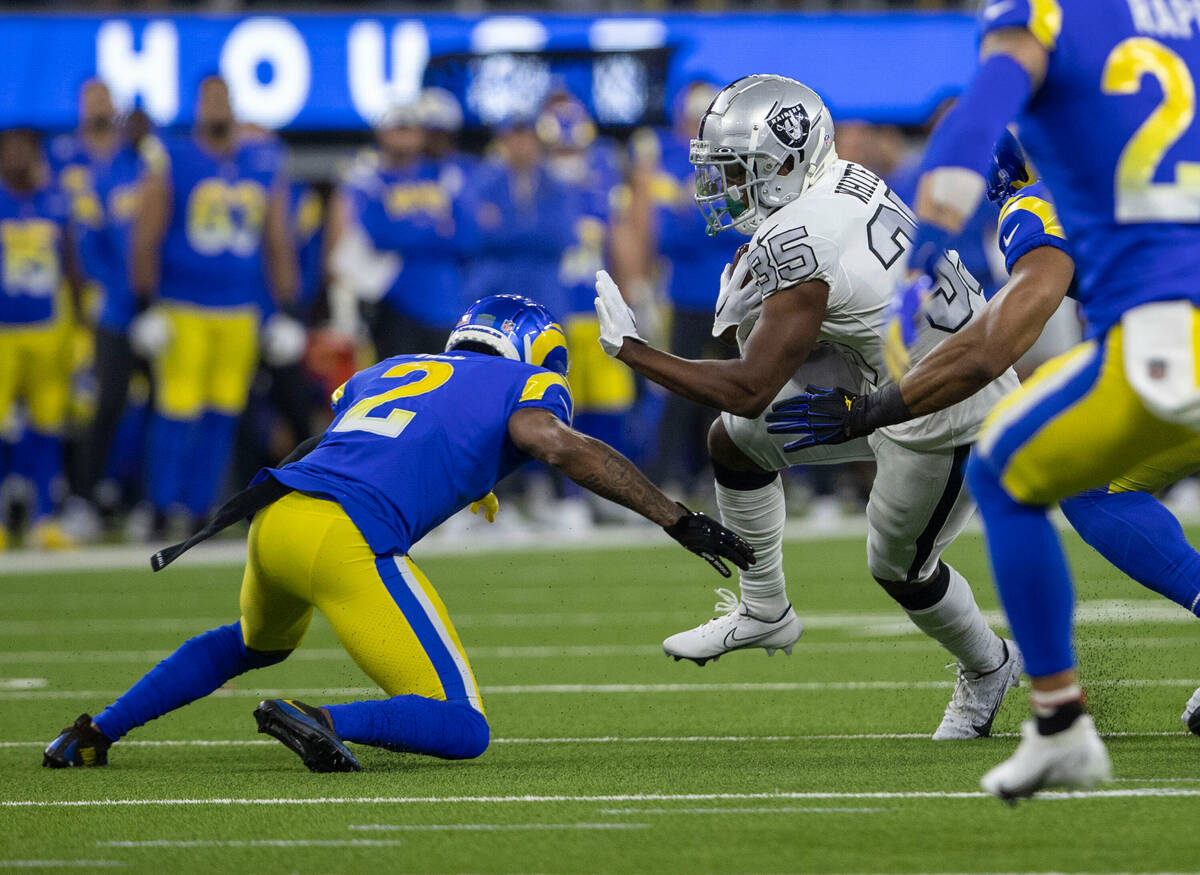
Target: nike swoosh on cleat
[[731, 638]]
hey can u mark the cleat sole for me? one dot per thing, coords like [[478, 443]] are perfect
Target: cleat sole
[[316, 750]]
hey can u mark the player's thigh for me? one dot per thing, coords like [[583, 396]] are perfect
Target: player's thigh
[[276, 598], [12, 350], [918, 506], [1160, 471], [45, 377], [1076, 424], [393, 624], [233, 337], [180, 370], [599, 383]]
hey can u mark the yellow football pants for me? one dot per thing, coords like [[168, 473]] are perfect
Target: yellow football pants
[[305, 553], [1078, 424], [35, 370], [209, 362]]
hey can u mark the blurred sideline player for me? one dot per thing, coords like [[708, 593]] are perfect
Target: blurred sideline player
[[98, 169], [808, 303], [1123, 521], [587, 165], [212, 223], [1104, 95], [416, 438], [38, 278], [675, 254], [441, 118], [393, 196]]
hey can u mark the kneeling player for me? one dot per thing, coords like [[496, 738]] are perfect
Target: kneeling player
[[415, 439]]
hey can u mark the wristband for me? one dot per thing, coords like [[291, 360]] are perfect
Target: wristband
[[881, 408]]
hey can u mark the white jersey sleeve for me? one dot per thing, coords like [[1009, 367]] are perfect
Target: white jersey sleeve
[[785, 255]]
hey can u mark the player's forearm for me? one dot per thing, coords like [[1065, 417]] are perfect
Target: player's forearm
[[280, 252], [730, 385], [995, 339], [599, 468], [149, 229]]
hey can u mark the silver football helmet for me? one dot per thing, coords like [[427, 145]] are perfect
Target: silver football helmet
[[760, 144]]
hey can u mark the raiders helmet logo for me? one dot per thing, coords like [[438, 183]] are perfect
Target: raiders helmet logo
[[790, 126]]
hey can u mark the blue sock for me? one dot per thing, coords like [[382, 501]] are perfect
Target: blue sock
[[414, 724], [208, 459], [198, 667], [1031, 573], [166, 460], [43, 464], [1134, 532]]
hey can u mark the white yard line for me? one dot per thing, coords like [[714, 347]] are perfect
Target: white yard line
[[59, 864], [595, 689], [784, 809], [253, 843], [488, 827], [1123, 793], [645, 739]]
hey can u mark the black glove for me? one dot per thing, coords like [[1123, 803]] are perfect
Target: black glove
[[710, 540], [833, 416]]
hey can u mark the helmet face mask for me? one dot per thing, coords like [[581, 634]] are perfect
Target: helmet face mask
[[1010, 170], [762, 140]]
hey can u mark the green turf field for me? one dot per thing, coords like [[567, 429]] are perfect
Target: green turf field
[[606, 756]]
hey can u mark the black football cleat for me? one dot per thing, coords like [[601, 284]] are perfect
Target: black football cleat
[[306, 731], [78, 745]]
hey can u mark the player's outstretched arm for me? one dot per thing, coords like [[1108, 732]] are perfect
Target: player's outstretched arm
[[953, 371], [599, 468], [781, 340]]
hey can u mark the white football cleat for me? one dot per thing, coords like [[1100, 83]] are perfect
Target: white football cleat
[[1191, 714], [1074, 758], [735, 629], [977, 697]]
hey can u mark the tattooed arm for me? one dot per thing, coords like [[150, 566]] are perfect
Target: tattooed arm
[[592, 464]]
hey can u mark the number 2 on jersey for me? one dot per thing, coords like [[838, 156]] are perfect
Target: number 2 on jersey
[[1137, 197], [358, 418]]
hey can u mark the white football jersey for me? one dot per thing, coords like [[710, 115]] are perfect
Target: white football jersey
[[852, 232]]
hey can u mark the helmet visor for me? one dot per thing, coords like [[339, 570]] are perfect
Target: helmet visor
[[723, 192]]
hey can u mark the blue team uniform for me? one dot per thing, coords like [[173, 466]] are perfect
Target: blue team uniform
[[1029, 221], [417, 438], [307, 214], [1126, 204], [102, 194], [1123, 188], [212, 255], [34, 367], [410, 212], [523, 234]]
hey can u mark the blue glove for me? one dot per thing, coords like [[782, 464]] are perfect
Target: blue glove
[[904, 323], [819, 416]]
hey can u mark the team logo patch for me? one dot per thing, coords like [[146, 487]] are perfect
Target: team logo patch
[[1157, 369], [790, 126]]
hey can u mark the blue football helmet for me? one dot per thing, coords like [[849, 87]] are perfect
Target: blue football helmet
[[1010, 171], [515, 327]]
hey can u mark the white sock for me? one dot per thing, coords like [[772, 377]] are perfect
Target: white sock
[[758, 516], [956, 623]]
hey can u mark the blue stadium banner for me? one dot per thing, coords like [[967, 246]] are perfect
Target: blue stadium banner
[[327, 72]]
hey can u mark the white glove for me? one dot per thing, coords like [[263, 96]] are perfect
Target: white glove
[[616, 319], [735, 302], [284, 340], [369, 272], [149, 333]]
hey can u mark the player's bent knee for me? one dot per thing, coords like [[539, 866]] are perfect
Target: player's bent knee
[[264, 658], [726, 454], [918, 595], [988, 484], [476, 733]]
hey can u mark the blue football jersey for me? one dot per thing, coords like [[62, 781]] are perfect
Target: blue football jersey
[[1110, 132], [212, 255], [31, 269], [101, 192], [1028, 221], [410, 212], [418, 437]]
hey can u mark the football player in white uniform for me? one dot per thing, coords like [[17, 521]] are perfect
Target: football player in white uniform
[[808, 302]]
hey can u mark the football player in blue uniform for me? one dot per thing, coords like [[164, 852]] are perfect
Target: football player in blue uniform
[[1122, 520], [415, 439], [396, 197], [98, 169], [213, 213], [1103, 92], [37, 269]]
